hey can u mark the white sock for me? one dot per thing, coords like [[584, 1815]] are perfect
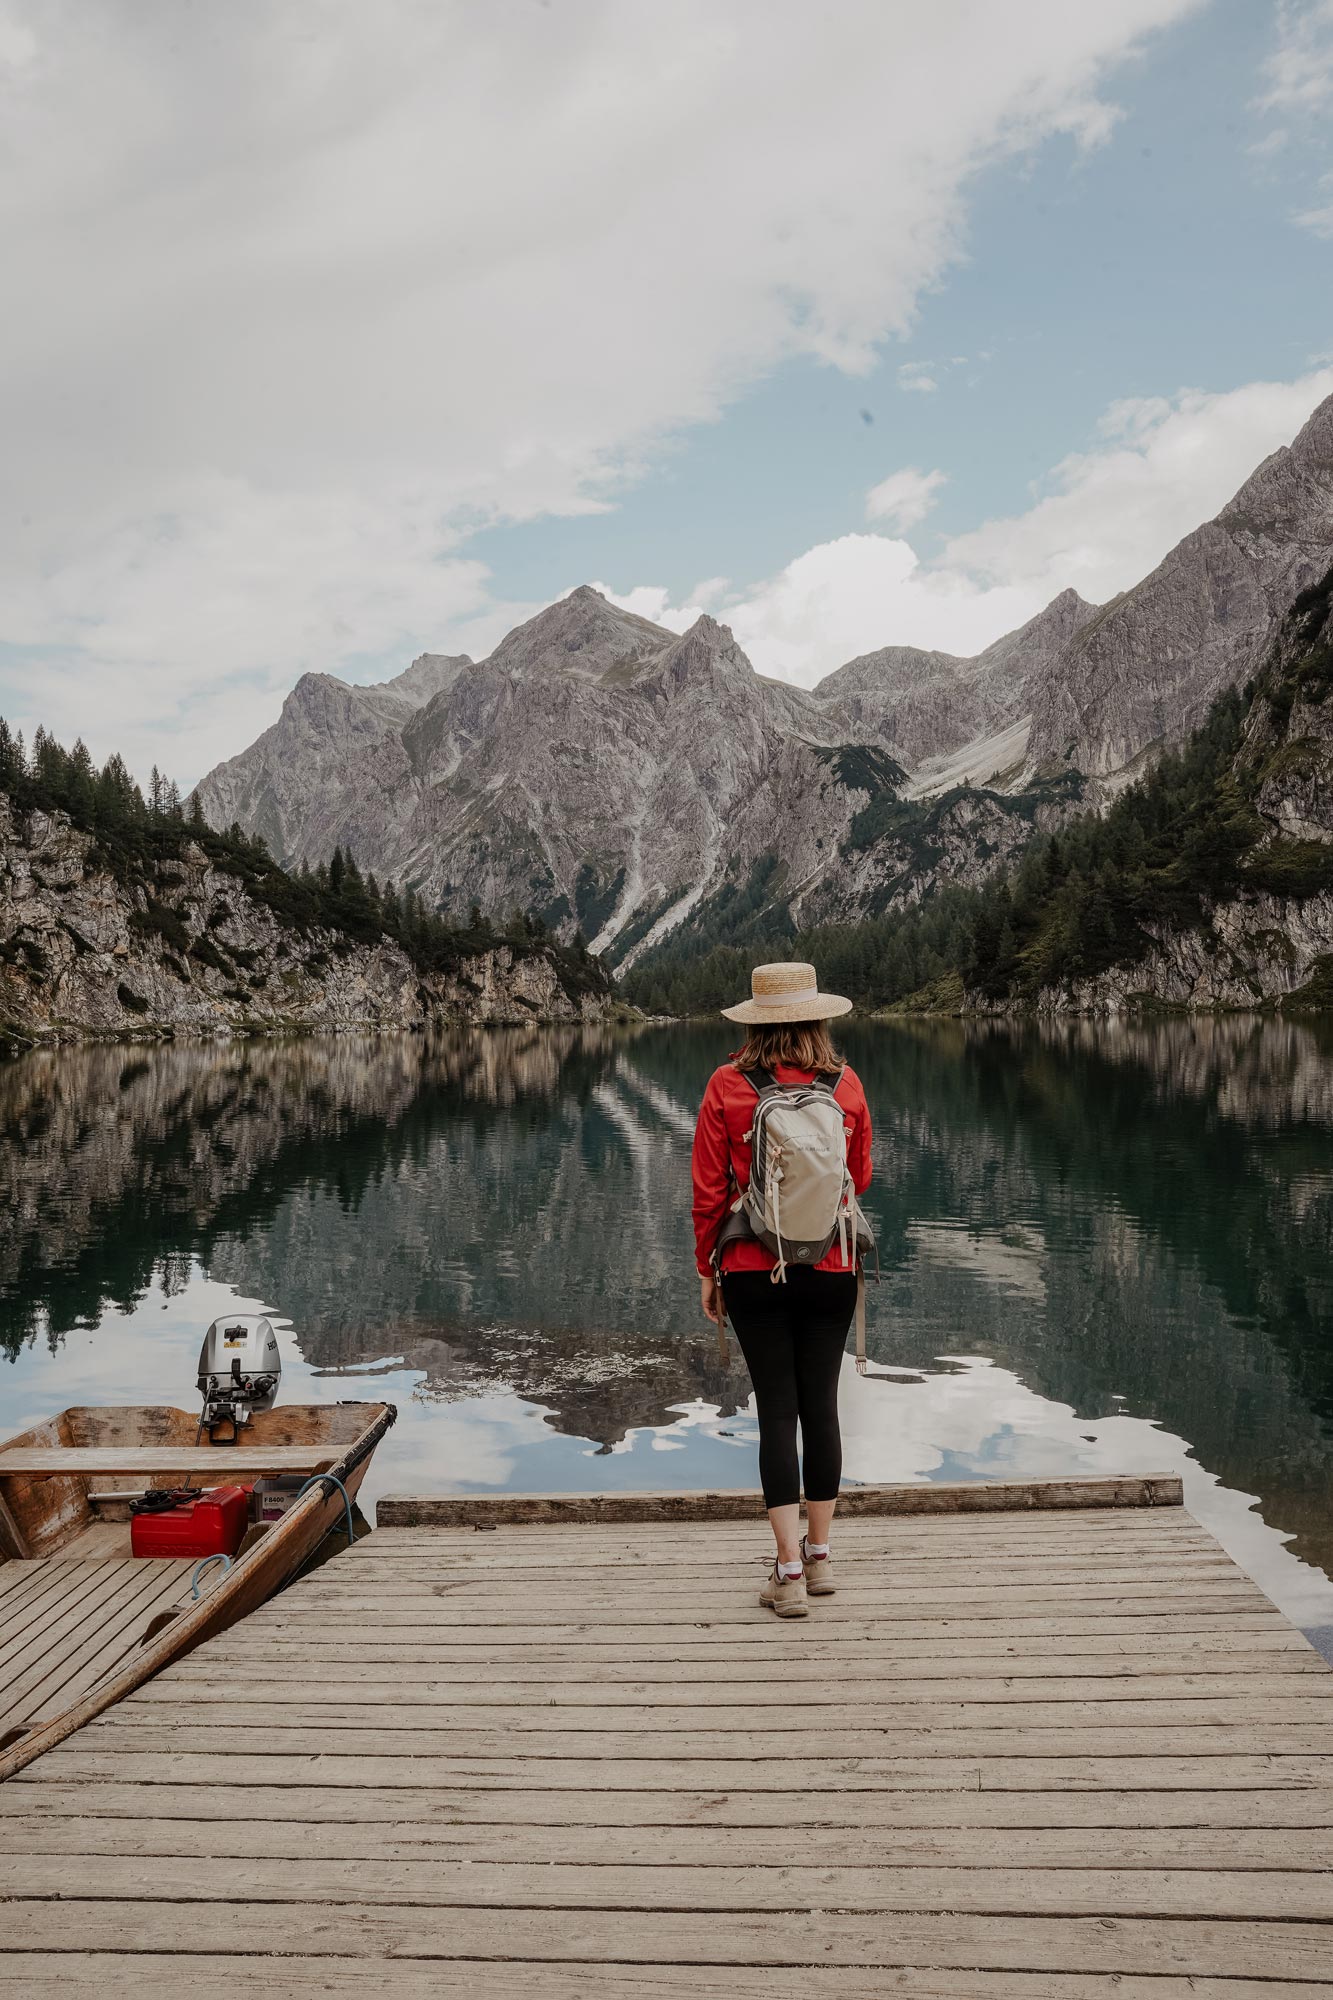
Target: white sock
[[786, 1571], [816, 1549]]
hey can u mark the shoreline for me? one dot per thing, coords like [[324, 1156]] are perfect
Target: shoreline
[[17, 1041]]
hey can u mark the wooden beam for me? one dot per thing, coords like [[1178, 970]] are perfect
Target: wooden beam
[[13, 1542], [485, 1510], [224, 1461]]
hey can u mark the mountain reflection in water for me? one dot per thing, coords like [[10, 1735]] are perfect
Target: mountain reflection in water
[[1103, 1246]]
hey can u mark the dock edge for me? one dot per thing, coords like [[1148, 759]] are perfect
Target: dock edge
[[488, 1510]]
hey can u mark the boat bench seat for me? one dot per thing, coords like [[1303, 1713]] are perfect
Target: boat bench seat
[[52, 1461]]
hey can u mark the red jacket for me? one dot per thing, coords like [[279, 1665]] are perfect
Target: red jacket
[[720, 1162]]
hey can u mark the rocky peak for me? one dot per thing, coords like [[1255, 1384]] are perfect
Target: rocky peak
[[429, 674], [582, 634], [322, 706], [705, 656], [1021, 652], [1291, 487]]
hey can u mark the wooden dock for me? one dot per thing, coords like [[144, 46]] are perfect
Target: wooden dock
[[1027, 1753]]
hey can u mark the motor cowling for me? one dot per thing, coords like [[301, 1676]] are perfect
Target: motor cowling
[[240, 1369]]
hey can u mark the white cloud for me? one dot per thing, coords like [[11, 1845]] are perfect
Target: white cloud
[[1165, 465], [1319, 219], [861, 592], [1298, 76], [1299, 73], [905, 497], [1161, 467], [653, 601], [308, 291], [916, 378], [846, 597]]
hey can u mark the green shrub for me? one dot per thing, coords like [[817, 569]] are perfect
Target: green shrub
[[160, 920], [205, 952]]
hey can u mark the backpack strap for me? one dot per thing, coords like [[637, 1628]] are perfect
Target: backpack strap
[[760, 1080]]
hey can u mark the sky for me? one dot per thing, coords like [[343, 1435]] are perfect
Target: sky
[[333, 334]]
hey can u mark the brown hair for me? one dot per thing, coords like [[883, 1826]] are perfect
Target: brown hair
[[799, 1044]]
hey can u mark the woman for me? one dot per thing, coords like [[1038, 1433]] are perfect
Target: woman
[[792, 1333]]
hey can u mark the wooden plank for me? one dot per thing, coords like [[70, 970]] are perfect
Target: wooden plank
[[911, 1527], [931, 1581], [862, 1564], [1209, 1592], [351, 1681], [404, 1708], [738, 1504], [1158, 1527], [1220, 1948], [858, 1542], [1037, 1535], [957, 1617], [127, 1756], [447, 1812], [308, 1736], [245, 1460], [1292, 1851], [990, 1520], [428, 1885], [872, 1584], [763, 1637], [1274, 1645], [1154, 1527], [84, 1975]]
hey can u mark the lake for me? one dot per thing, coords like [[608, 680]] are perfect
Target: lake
[[1103, 1247]]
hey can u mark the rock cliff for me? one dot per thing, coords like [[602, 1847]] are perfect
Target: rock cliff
[[1271, 938], [187, 949], [1145, 670]]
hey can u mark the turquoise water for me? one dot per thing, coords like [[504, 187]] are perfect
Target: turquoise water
[[1102, 1247]]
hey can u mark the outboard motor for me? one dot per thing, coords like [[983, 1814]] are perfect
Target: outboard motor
[[239, 1372]]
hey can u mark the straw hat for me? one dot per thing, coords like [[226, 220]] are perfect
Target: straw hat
[[787, 992]]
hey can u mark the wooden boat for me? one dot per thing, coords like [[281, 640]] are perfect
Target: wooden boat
[[82, 1620]]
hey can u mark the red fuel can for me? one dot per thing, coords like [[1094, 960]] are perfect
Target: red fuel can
[[212, 1524]]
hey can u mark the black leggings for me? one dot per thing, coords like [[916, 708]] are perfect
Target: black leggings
[[793, 1336]]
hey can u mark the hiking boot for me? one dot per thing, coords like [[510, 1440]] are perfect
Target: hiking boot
[[785, 1596], [818, 1571]]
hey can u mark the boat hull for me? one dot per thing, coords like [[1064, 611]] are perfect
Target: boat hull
[[39, 1520]]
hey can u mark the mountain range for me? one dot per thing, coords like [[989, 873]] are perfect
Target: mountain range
[[630, 782]]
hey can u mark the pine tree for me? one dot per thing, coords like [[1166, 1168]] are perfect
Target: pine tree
[[81, 780], [11, 762]]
